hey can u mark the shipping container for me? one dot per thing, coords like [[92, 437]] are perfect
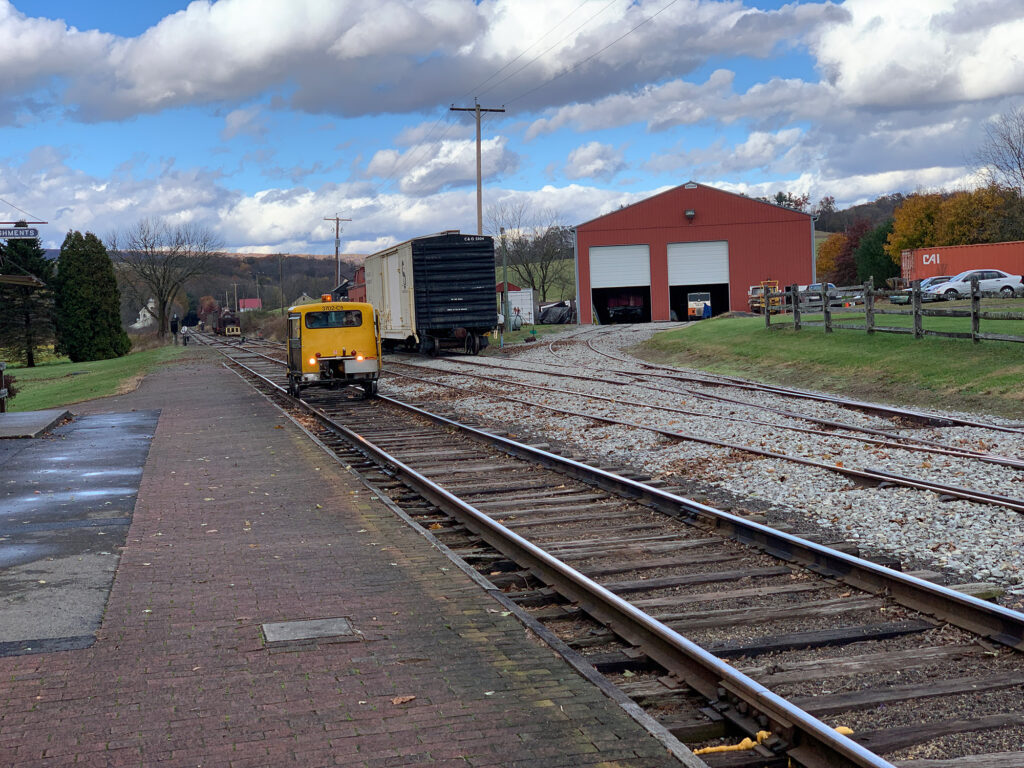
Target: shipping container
[[920, 263], [434, 292]]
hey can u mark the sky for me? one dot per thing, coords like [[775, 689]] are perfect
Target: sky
[[260, 118]]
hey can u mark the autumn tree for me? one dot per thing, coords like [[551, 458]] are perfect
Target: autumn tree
[[845, 270], [87, 301], [828, 251], [26, 301], [913, 224], [157, 259]]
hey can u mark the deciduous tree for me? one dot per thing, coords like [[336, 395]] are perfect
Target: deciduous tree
[[1001, 155], [536, 245], [913, 224], [845, 270], [87, 301], [828, 252], [157, 259]]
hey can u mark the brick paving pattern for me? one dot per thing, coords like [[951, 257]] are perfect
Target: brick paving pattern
[[240, 521]]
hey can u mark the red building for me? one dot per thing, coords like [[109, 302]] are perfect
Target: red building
[[357, 291], [953, 259], [248, 305], [638, 263]]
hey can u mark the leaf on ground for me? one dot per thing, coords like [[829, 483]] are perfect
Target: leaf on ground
[[402, 700]]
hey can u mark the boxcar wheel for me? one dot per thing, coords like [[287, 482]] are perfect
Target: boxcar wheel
[[293, 388], [369, 390]]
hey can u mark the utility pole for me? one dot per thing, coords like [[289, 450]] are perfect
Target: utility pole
[[236, 295], [476, 108], [337, 245], [280, 277]]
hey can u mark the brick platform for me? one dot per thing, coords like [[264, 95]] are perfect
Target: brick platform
[[242, 521]]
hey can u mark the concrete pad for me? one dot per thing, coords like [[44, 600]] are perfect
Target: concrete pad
[[312, 629], [30, 423]]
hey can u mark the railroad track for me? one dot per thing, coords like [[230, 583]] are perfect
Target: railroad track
[[720, 626], [869, 475], [904, 415]]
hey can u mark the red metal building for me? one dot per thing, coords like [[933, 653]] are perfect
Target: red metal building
[[954, 259], [638, 263]]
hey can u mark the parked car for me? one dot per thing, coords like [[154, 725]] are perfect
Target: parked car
[[811, 294], [904, 297], [989, 281]]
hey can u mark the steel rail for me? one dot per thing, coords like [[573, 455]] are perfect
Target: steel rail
[[876, 477], [914, 444], [1000, 624], [816, 744], [905, 440]]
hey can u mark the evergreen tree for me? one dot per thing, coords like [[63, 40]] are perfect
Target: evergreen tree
[[26, 311], [871, 257], [88, 302]]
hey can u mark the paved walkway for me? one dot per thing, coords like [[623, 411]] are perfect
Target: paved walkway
[[241, 521]]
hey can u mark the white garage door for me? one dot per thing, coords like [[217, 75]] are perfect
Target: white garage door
[[698, 263], [612, 266]]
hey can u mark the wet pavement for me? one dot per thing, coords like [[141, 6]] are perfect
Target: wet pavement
[[66, 502]]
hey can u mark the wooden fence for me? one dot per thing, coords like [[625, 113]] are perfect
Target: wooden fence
[[862, 300]]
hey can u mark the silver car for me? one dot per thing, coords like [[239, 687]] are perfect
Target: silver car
[[904, 297], [989, 281]]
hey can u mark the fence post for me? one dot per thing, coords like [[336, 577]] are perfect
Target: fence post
[[975, 309], [767, 294], [915, 303], [869, 306], [794, 293], [825, 308]]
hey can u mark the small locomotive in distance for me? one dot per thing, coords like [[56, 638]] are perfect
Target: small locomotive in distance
[[226, 324]]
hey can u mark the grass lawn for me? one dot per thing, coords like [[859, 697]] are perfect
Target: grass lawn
[[59, 382], [929, 373]]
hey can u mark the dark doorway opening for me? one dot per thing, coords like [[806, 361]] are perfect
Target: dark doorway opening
[[630, 304], [719, 298]]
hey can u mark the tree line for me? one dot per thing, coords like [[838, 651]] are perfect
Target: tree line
[[74, 303]]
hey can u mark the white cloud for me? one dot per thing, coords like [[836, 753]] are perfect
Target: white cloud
[[906, 54], [427, 168], [243, 121], [595, 161]]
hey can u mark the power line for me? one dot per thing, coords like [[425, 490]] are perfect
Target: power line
[[579, 64], [546, 50], [478, 86]]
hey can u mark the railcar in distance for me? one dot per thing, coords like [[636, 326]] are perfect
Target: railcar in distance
[[227, 324], [333, 343]]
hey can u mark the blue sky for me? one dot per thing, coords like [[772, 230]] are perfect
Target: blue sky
[[258, 118]]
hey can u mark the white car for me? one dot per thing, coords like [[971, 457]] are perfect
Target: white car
[[989, 281]]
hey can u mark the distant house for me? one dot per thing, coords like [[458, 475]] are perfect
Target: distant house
[[147, 317], [305, 298], [248, 305]]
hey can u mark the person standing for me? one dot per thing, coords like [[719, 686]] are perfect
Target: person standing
[[174, 329], [184, 335]]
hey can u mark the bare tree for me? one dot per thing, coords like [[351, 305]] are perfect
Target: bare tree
[[536, 245], [157, 259], [1001, 156]]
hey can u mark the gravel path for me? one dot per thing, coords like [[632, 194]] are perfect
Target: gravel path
[[967, 541]]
